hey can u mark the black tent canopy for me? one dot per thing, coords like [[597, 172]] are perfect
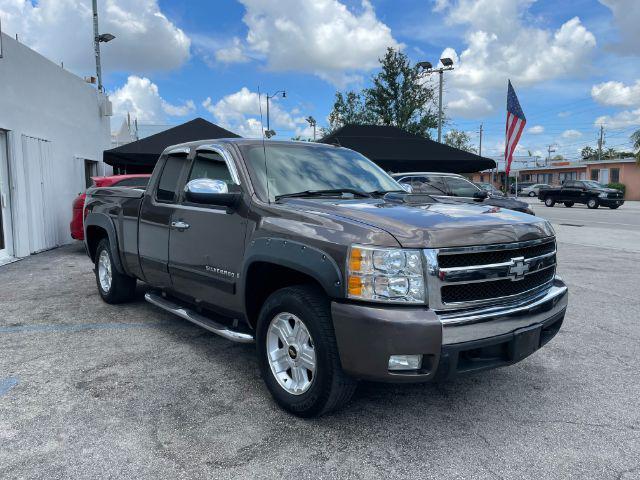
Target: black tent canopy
[[142, 155], [396, 150]]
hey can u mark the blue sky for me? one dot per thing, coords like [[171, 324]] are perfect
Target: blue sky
[[574, 65]]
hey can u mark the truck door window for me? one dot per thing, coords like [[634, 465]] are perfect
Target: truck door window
[[210, 165], [168, 184]]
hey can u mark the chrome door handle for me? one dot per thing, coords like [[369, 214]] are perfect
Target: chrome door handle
[[181, 226]]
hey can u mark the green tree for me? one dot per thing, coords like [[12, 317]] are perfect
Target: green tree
[[459, 139], [610, 153], [397, 97], [588, 153], [348, 108]]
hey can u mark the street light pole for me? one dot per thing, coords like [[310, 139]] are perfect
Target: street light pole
[[97, 38], [284, 95], [447, 64], [96, 44]]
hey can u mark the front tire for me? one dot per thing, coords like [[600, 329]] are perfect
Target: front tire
[[549, 202], [593, 203], [113, 286], [298, 354], [568, 204], [532, 194]]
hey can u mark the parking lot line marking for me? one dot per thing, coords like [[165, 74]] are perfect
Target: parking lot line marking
[[594, 221], [7, 384], [76, 328]]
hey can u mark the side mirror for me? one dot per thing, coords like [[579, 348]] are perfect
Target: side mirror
[[480, 195], [406, 187], [211, 192]]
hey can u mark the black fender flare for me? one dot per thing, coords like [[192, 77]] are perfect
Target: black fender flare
[[103, 221], [309, 260]]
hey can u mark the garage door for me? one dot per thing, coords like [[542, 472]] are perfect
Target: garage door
[[41, 199]]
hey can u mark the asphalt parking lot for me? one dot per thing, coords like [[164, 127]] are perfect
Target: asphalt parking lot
[[89, 390]]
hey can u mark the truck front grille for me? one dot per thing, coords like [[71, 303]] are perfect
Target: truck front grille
[[495, 256], [464, 277], [615, 195], [468, 292]]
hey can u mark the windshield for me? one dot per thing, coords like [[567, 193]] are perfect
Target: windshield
[[593, 184], [297, 168]]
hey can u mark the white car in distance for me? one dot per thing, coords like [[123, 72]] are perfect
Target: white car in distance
[[534, 190]]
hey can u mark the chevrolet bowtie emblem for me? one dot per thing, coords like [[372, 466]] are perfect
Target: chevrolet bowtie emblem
[[518, 269]]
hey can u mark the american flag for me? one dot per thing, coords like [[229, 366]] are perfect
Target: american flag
[[515, 124]]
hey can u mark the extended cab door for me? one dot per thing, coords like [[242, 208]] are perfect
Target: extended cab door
[[206, 245], [571, 191], [155, 218]]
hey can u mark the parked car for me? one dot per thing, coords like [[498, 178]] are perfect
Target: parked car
[[521, 186], [588, 192], [533, 190], [77, 219], [455, 187], [319, 257], [490, 189]]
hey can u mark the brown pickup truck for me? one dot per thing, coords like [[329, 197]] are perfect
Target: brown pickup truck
[[334, 271]]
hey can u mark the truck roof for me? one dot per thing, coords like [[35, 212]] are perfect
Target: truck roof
[[246, 141]]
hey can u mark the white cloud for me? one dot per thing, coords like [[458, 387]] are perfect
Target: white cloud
[[140, 97], [500, 46], [626, 118], [322, 37], [626, 15], [571, 133], [536, 130], [468, 103], [617, 94], [62, 30], [233, 53], [240, 113]]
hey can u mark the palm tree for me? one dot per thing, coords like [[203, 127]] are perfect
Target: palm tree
[[635, 138]]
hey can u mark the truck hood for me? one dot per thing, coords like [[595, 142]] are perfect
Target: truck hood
[[434, 224]]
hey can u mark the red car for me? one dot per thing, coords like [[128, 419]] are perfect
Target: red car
[[77, 220]]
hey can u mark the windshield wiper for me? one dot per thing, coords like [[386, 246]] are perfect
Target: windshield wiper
[[384, 192], [327, 192]]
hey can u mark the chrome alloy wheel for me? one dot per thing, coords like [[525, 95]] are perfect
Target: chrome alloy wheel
[[104, 271], [291, 353]]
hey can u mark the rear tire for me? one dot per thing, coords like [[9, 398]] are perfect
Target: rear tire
[[593, 203], [549, 202], [295, 327], [532, 194], [113, 286], [568, 204]]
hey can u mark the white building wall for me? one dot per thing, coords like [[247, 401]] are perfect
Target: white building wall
[[41, 100]]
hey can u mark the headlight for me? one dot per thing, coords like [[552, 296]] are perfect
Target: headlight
[[385, 275], [603, 195]]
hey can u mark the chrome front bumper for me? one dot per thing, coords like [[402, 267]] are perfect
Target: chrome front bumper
[[489, 322]]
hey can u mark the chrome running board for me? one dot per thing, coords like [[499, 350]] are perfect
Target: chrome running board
[[198, 319]]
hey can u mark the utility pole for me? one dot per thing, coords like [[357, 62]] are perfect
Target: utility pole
[[600, 142], [480, 146], [312, 123], [550, 150], [440, 107]]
